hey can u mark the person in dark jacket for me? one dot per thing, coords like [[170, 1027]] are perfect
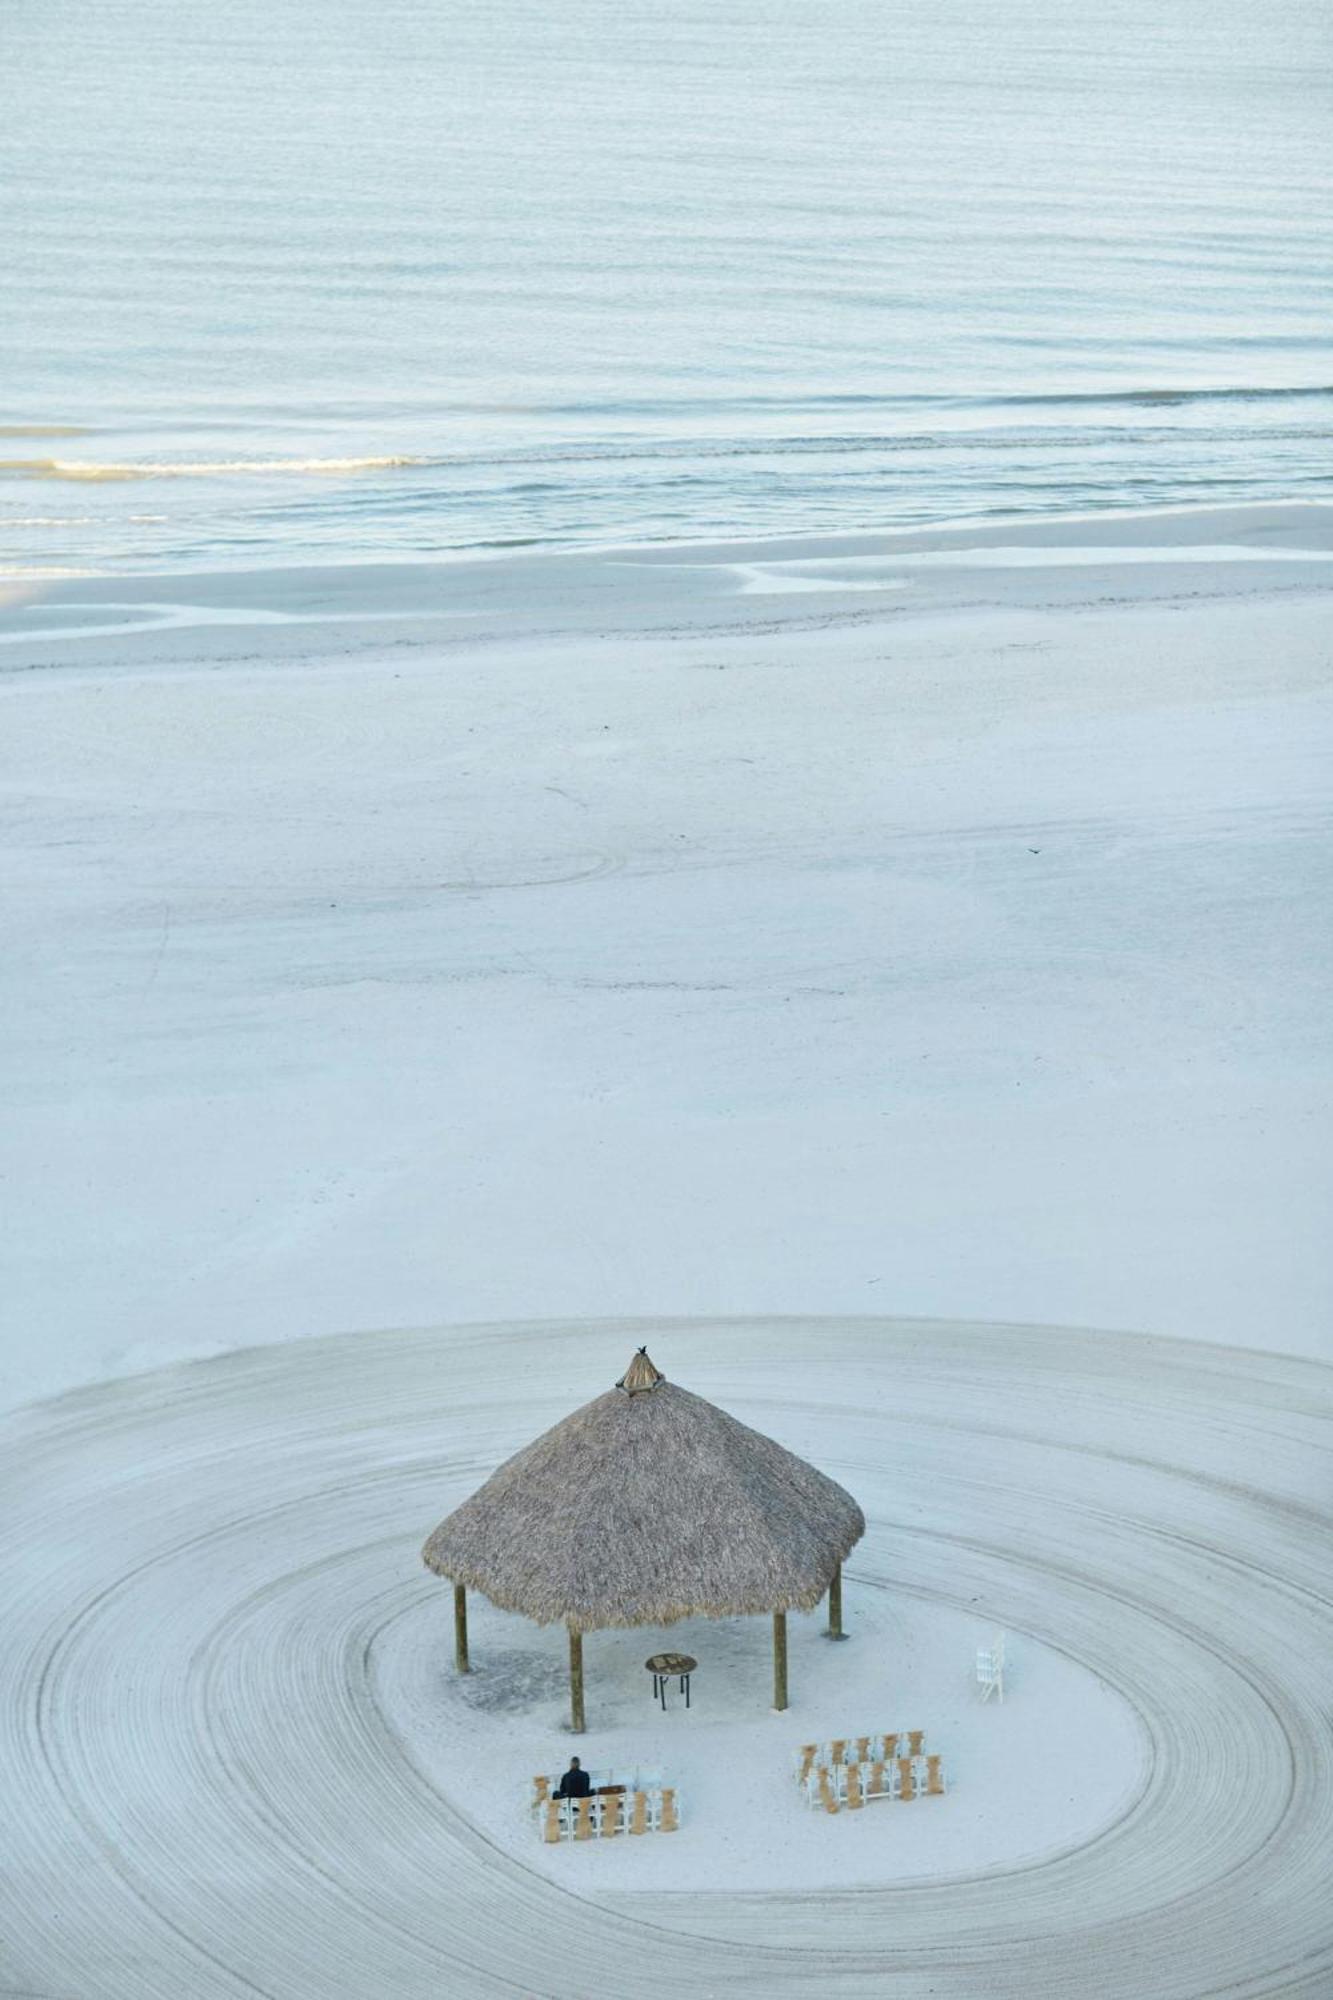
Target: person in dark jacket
[[576, 1784]]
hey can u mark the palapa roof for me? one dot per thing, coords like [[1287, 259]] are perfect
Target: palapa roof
[[645, 1506]]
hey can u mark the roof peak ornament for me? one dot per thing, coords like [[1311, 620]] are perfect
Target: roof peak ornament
[[640, 1376]]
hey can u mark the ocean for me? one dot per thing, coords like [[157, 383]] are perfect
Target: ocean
[[293, 281]]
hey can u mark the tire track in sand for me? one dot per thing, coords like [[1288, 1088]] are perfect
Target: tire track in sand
[[205, 1798]]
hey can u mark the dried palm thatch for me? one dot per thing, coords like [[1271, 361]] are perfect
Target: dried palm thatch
[[646, 1506]]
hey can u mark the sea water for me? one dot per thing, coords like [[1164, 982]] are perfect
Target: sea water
[[325, 280]]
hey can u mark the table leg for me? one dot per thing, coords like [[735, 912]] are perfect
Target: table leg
[[685, 1683]]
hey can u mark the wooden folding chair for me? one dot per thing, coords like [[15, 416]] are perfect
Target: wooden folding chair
[[638, 1819], [915, 1738], [906, 1779], [669, 1820], [551, 1830], [934, 1778]]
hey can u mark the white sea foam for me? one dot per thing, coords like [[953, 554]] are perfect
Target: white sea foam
[[217, 468], [36, 572], [779, 579]]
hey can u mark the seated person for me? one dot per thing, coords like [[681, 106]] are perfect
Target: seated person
[[576, 1784]]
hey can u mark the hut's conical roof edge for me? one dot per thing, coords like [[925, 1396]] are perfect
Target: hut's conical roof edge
[[644, 1508]]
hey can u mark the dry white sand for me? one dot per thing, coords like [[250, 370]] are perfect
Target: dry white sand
[[1057, 1763], [657, 946], [935, 924], [235, 1763]]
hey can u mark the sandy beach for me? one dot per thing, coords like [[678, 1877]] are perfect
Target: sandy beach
[[871, 969], [666, 691], [240, 1760], [933, 923]]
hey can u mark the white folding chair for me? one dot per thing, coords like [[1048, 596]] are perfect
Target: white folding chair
[[990, 1669]]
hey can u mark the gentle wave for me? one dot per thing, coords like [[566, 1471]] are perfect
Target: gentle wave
[[92, 470], [399, 356], [1149, 395], [43, 430], [1152, 398], [993, 442], [38, 572], [946, 457]]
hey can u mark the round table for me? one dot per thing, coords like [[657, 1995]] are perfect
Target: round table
[[663, 1667]]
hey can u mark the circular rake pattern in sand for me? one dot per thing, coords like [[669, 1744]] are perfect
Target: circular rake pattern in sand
[[206, 1798]]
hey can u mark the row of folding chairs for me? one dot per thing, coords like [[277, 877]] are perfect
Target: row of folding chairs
[[833, 1787], [881, 1749], [656, 1811], [636, 1779]]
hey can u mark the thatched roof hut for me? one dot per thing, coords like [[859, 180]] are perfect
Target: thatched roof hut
[[646, 1506]]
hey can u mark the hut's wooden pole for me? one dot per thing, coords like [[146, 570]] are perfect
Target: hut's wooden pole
[[460, 1628], [779, 1659], [576, 1721], [835, 1630]]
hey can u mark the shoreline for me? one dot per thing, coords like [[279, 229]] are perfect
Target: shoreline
[[530, 594]]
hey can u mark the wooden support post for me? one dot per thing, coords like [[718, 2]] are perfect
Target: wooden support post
[[779, 1659], [835, 1630], [576, 1721], [460, 1628]]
